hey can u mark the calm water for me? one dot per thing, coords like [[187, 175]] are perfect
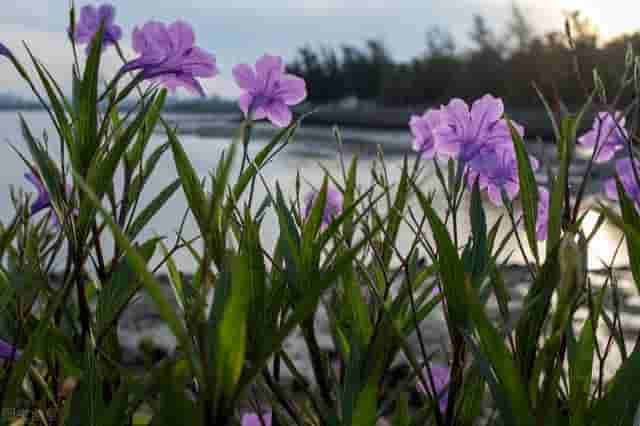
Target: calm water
[[305, 156]]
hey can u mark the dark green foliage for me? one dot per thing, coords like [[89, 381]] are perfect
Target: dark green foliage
[[374, 273]]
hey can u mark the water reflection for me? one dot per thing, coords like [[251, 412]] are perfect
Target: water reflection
[[307, 155]]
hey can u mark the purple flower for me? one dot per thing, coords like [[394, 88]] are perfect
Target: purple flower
[[254, 420], [43, 200], [89, 25], [497, 169], [607, 136], [4, 51], [624, 169], [441, 377], [8, 351], [422, 128], [465, 133], [269, 91], [333, 205], [542, 221], [169, 56]]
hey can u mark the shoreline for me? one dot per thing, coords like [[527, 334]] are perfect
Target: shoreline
[[354, 120]]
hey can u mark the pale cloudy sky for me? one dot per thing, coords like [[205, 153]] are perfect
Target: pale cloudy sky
[[241, 30]]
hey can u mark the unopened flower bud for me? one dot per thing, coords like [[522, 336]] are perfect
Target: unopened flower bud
[[599, 85], [572, 256], [629, 56]]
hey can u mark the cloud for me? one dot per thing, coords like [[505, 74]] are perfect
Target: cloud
[[54, 51], [242, 30]]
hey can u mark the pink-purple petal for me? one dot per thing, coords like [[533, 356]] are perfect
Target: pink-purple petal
[[244, 77], [332, 208], [484, 112], [89, 16], [441, 376], [607, 136], [423, 130], [611, 189], [255, 420], [182, 35], [268, 67], [89, 24], [291, 89], [172, 82], [542, 214], [268, 92], [168, 55], [278, 113], [9, 351], [106, 14], [245, 101]]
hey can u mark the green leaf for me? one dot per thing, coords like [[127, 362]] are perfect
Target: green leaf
[[190, 182], [396, 215], [58, 106], [312, 223], [473, 397], [556, 212], [401, 417], [528, 189], [632, 220], [117, 293], [620, 404], [140, 180], [581, 366], [509, 385], [134, 156], [175, 279], [450, 266], [87, 402], [550, 114], [279, 141], [480, 251], [535, 311], [87, 124], [51, 177], [149, 281], [151, 209], [228, 327]]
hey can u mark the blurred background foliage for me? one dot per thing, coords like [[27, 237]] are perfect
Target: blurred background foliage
[[503, 64]]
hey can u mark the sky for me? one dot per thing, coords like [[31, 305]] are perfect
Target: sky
[[239, 31]]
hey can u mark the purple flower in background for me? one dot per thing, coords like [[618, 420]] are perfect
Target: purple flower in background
[[89, 25], [4, 51], [607, 136], [465, 133], [269, 91], [332, 208], [624, 169], [8, 351], [497, 169], [169, 56], [43, 200], [422, 128], [441, 377], [254, 420], [543, 214]]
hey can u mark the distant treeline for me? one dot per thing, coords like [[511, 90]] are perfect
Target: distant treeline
[[504, 65]]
